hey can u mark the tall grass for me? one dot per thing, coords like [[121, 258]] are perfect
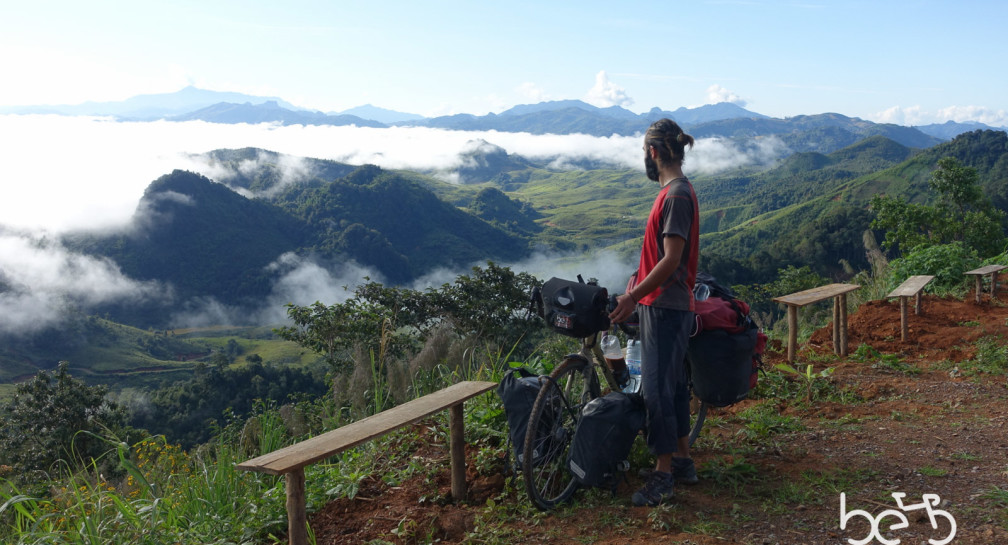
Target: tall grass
[[166, 496], [161, 494]]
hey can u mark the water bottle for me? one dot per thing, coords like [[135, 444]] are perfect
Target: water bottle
[[633, 363], [613, 353]]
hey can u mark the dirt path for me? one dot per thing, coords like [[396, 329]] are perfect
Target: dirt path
[[928, 416]]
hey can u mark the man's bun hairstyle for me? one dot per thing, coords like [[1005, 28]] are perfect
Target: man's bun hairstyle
[[669, 139]]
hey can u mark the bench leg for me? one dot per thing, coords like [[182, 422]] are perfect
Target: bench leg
[[792, 340], [836, 325], [456, 437], [843, 325], [904, 329], [297, 518]]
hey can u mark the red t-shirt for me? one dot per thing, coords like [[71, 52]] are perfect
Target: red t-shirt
[[675, 213]]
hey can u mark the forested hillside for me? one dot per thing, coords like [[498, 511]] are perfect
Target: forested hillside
[[201, 239], [813, 209]]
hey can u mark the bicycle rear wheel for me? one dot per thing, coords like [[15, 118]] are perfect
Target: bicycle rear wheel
[[551, 426]]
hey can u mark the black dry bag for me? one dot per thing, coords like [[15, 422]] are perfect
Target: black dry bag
[[518, 391], [721, 365], [604, 436]]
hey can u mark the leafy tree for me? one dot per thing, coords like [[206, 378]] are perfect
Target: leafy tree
[[960, 212], [488, 305], [189, 412], [52, 417], [946, 262]]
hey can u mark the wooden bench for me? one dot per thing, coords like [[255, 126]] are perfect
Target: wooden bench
[[291, 461], [799, 299], [911, 287], [989, 270]]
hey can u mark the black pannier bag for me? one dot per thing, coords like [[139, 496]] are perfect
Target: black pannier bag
[[574, 308], [604, 436], [721, 365], [518, 391]]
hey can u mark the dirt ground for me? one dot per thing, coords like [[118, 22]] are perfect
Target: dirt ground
[[919, 419]]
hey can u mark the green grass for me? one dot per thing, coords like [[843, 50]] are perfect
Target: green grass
[[121, 356]]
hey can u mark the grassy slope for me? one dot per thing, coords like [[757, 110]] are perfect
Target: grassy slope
[[121, 356]]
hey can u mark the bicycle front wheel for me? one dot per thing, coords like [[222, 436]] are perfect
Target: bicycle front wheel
[[550, 431]]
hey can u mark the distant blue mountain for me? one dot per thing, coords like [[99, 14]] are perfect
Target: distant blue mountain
[[952, 129], [270, 112], [821, 132], [154, 106], [575, 116], [380, 115]]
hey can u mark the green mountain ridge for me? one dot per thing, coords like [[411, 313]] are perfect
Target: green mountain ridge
[[828, 224], [202, 239]]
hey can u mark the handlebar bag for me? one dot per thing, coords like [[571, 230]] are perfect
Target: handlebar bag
[[575, 309]]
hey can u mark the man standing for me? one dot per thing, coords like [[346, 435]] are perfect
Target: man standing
[[663, 298]]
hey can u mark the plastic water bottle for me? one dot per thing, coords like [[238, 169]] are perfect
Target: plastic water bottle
[[613, 353], [633, 363]]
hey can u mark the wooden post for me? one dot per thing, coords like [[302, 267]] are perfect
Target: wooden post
[[904, 328], [297, 517], [917, 304], [456, 437], [836, 325], [792, 341], [843, 324], [979, 287]]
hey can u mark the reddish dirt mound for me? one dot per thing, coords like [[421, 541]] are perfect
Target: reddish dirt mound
[[945, 329], [929, 430]]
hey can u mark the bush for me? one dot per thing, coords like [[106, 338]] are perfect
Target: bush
[[56, 417], [947, 262]]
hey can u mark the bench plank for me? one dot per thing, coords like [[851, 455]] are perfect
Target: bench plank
[[807, 297], [911, 286], [987, 270], [322, 446]]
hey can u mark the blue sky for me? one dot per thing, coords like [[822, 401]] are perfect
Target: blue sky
[[898, 61]]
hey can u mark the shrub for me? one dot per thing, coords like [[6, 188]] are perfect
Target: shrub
[[947, 262]]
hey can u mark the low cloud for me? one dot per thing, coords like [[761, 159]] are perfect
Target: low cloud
[[717, 94], [68, 173], [71, 173], [40, 281], [606, 93]]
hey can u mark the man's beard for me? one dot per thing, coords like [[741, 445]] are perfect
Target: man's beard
[[651, 168]]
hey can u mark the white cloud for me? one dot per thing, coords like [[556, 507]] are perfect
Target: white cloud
[[302, 281], [532, 92], [717, 94], [41, 280], [63, 173], [606, 93], [994, 118], [915, 115]]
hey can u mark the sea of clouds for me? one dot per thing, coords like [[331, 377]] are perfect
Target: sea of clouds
[[62, 174]]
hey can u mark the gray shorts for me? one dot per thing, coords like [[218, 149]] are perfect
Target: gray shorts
[[664, 338]]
